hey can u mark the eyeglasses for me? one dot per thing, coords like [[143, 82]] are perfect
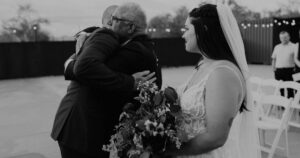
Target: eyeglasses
[[120, 19]]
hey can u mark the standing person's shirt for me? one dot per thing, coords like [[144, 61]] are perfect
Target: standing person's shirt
[[284, 55], [297, 47]]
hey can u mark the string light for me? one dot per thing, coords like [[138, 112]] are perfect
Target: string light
[[34, 27], [243, 25], [151, 30], [268, 25]]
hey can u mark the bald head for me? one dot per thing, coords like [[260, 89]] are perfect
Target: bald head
[[106, 17]]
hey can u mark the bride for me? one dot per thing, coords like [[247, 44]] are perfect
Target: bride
[[218, 122]]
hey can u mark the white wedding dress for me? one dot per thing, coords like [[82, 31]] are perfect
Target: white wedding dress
[[193, 108]]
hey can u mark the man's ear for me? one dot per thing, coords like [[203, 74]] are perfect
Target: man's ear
[[132, 28], [109, 22]]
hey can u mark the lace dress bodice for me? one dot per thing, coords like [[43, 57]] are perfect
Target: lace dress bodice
[[193, 109], [194, 114]]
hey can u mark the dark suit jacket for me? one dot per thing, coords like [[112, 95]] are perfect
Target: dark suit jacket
[[101, 84]]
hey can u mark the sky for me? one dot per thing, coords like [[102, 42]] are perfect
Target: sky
[[69, 16]]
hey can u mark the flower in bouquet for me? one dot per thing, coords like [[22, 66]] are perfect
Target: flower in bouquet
[[148, 126]]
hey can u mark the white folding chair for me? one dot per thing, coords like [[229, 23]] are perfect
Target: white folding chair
[[295, 86], [296, 76], [294, 120], [270, 87], [255, 83], [256, 97], [279, 125]]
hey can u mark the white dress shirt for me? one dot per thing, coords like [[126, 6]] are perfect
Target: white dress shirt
[[284, 55]]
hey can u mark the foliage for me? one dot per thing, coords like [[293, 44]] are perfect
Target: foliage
[[286, 10], [242, 13], [167, 21], [176, 23], [24, 27], [148, 128]]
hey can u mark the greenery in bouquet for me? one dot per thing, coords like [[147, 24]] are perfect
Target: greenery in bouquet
[[149, 126]]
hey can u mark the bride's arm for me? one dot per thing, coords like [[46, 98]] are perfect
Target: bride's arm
[[223, 90]]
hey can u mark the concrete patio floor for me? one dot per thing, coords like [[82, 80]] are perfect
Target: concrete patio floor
[[28, 106]]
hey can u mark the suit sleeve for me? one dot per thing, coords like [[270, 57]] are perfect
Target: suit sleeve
[[90, 69], [158, 74], [73, 56], [68, 73]]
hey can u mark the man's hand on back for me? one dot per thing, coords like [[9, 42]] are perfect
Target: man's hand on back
[[143, 77], [80, 39]]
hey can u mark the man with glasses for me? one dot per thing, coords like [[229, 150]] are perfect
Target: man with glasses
[[102, 83]]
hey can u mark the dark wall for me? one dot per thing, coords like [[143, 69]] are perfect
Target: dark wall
[[258, 41], [20, 60], [292, 30], [171, 52]]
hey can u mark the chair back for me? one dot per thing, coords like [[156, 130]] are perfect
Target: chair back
[[270, 87], [296, 76]]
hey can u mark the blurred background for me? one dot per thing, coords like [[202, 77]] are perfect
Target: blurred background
[[36, 37]]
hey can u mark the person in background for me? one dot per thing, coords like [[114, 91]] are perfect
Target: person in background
[[283, 60]]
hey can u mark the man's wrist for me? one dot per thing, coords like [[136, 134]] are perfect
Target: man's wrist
[[135, 84]]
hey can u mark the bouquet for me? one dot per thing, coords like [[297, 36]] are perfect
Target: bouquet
[[148, 127]]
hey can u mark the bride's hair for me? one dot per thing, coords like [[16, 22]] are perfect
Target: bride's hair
[[210, 37]]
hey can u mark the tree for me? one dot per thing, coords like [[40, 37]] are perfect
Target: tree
[[167, 25], [286, 10], [242, 13], [26, 26], [159, 24], [179, 20]]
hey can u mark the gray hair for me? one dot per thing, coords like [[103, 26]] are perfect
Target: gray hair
[[106, 16], [133, 12]]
